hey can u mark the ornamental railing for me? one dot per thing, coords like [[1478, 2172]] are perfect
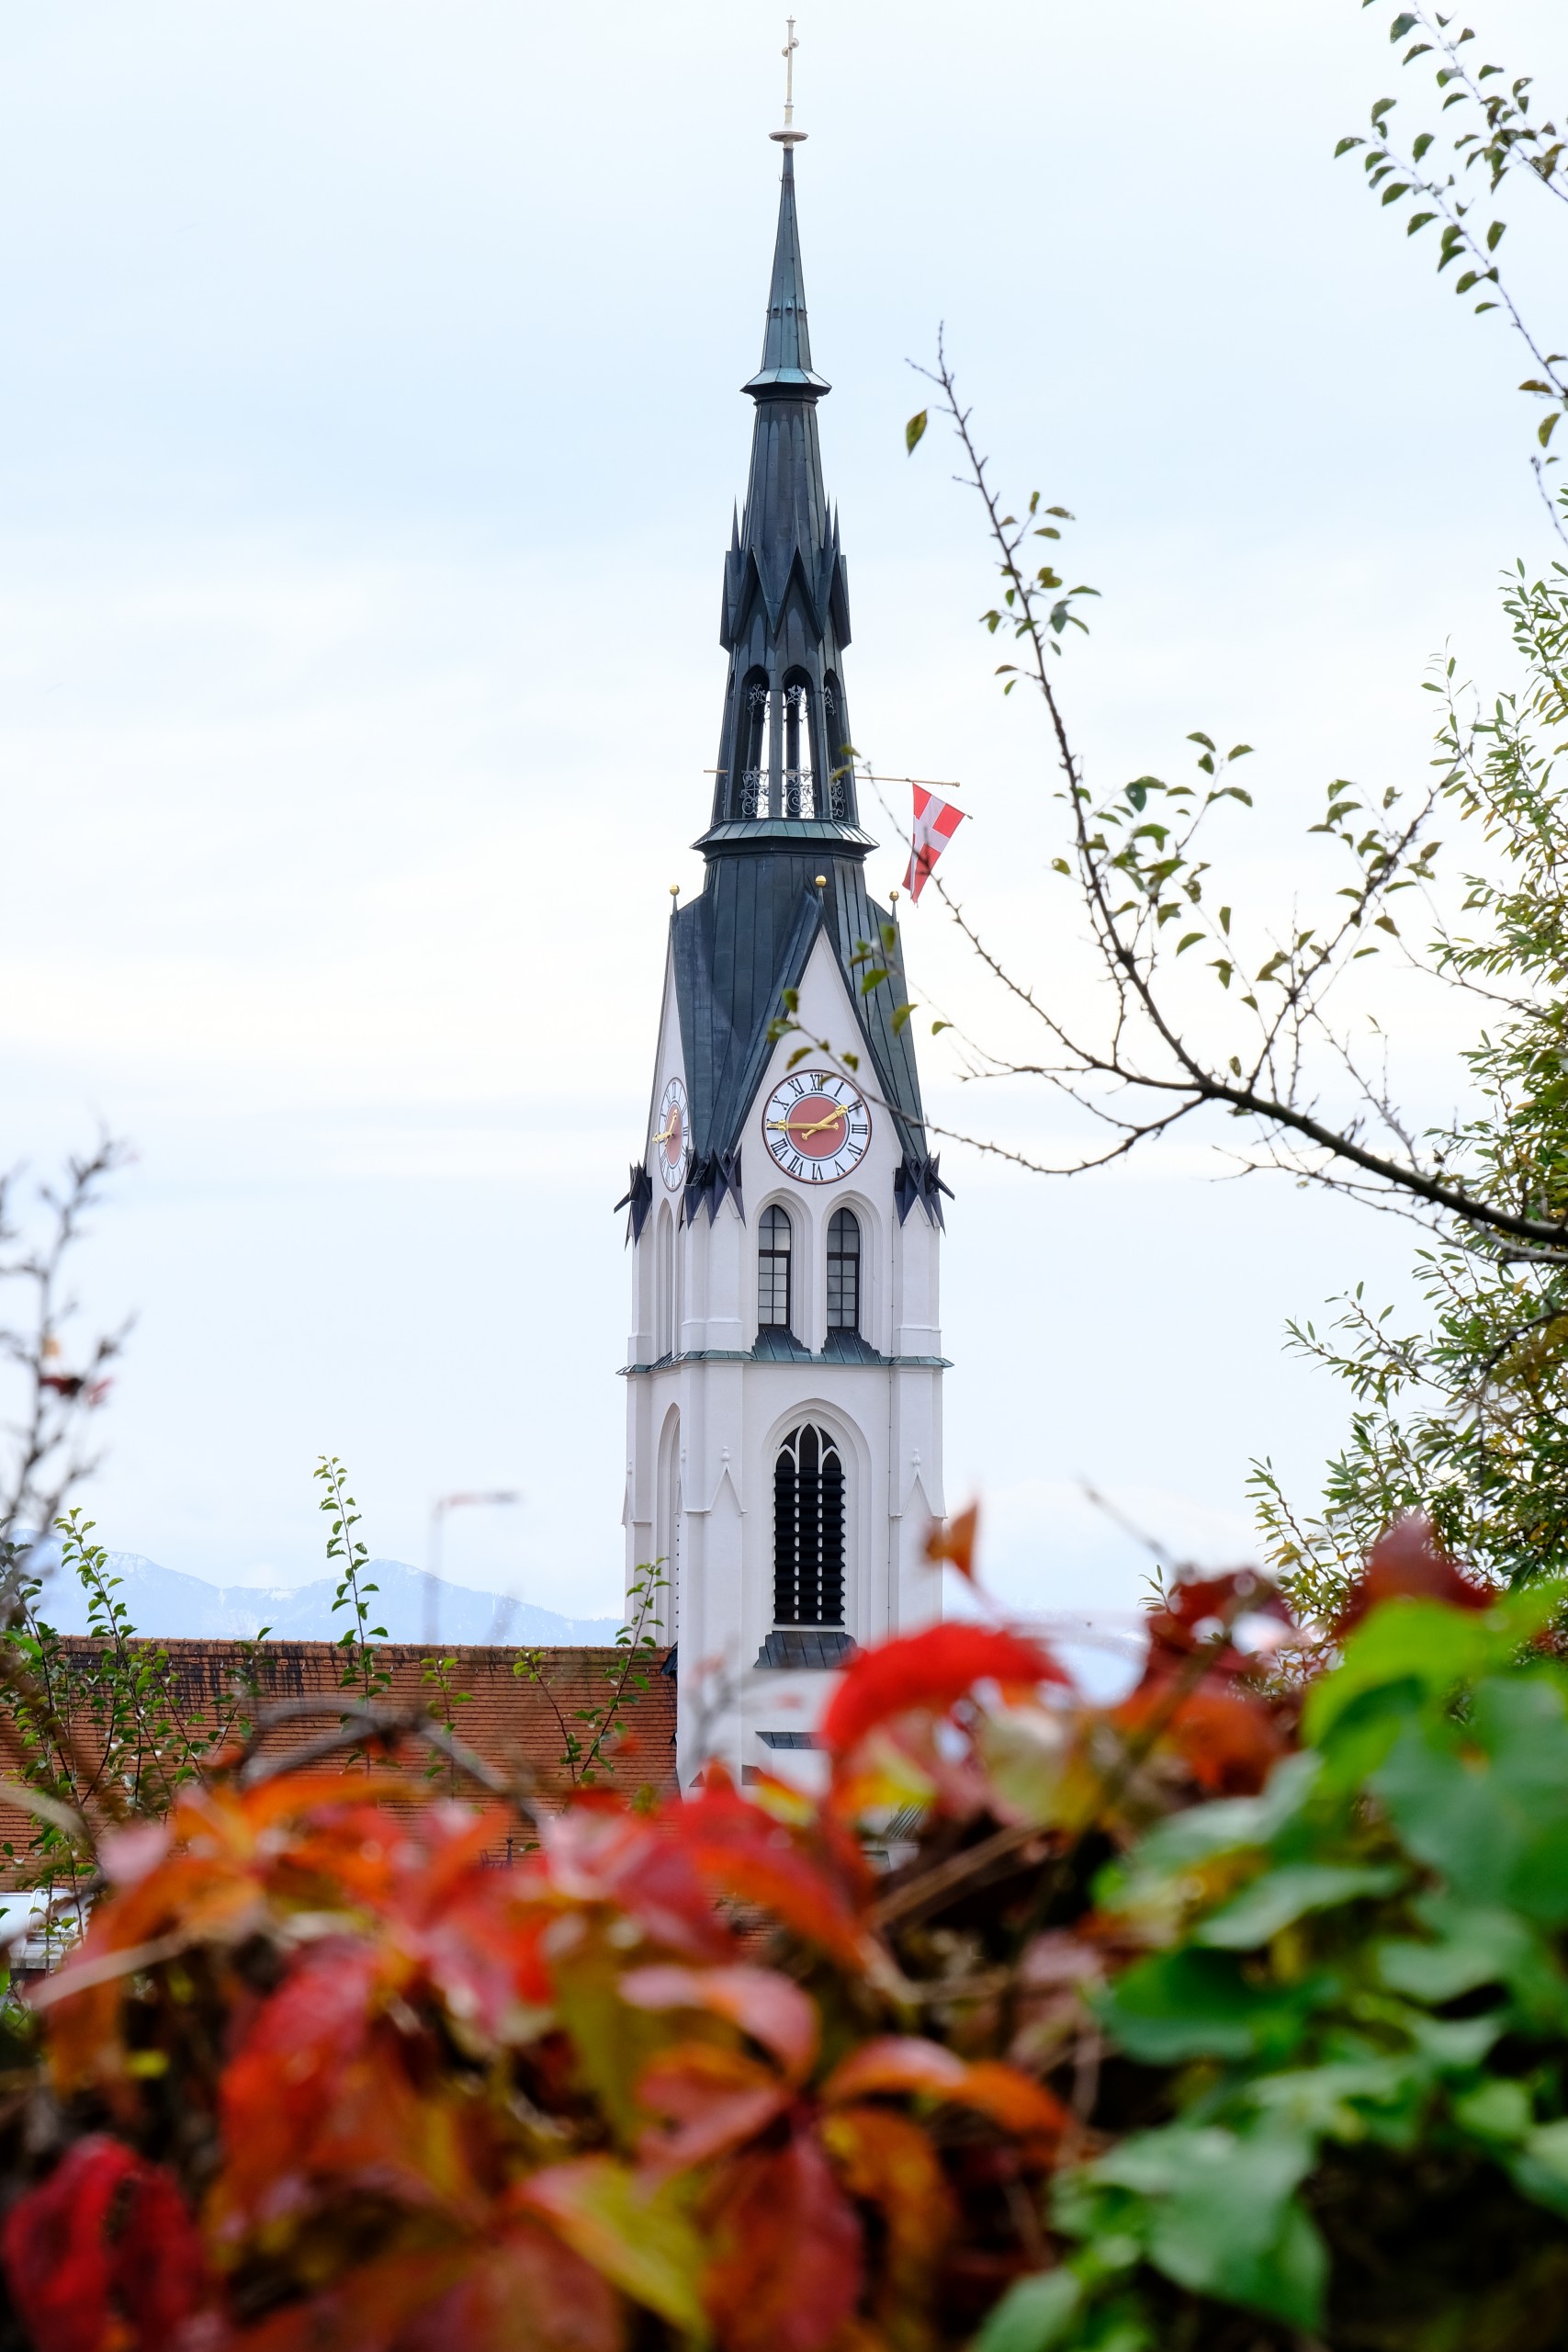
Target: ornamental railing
[[797, 794]]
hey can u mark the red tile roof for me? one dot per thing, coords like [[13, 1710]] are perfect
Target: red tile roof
[[507, 1720]]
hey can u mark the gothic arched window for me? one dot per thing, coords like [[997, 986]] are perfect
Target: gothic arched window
[[774, 1241], [843, 1272], [750, 798], [809, 1530]]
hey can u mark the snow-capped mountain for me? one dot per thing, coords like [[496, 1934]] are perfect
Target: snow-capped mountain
[[165, 1603]]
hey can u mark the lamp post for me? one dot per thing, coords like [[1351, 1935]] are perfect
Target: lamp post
[[439, 1510]]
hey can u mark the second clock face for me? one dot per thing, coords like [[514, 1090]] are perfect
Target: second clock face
[[816, 1126], [670, 1137]]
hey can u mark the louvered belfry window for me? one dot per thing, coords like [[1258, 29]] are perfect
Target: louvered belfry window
[[809, 1530], [774, 1240]]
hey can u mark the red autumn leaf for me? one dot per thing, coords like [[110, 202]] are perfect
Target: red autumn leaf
[[598, 1855], [764, 2004], [714, 2099], [742, 1851], [928, 1670], [954, 1543], [787, 2272], [1408, 1562], [1198, 1612], [526, 2289], [103, 2256]]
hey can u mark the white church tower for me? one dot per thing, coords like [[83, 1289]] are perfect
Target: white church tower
[[784, 1376]]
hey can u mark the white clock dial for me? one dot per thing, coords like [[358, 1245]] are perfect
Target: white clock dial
[[671, 1141], [817, 1126]]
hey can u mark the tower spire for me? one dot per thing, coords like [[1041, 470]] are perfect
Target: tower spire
[[785, 616]]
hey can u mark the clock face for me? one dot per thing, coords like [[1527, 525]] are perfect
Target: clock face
[[816, 1127], [670, 1137]]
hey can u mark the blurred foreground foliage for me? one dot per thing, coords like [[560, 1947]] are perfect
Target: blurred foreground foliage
[[1233, 2014]]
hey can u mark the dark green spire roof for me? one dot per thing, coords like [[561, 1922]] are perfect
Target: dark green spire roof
[[785, 853], [786, 344]]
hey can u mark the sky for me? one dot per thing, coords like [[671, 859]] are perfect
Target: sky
[[370, 426]]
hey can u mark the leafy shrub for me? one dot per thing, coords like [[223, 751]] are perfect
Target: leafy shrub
[[1233, 2014]]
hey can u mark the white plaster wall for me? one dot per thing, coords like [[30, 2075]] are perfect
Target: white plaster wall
[[731, 1416]]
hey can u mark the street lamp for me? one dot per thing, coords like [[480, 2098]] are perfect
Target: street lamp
[[432, 1555]]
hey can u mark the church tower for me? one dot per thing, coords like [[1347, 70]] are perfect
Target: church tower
[[785, 1373]]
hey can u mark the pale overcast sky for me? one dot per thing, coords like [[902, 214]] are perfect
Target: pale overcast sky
[[368, 434]]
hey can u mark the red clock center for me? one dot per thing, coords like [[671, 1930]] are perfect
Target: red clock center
[[818, 1127]]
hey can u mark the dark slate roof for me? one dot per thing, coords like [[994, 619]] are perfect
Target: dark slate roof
[[747, 939], [808, 1646]]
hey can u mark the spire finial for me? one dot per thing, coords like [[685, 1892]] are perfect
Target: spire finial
[[789, 136]]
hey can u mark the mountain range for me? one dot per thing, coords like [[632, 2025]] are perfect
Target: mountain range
[[172, 1606]]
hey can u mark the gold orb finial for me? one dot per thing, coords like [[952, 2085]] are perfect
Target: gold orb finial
[[821, 881], [674, 889]]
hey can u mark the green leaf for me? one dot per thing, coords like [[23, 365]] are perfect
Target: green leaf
[[1238, 752], [1034, 2315], [1346, 145], [938, 1026], [1206, 740], [1224, 2219], [1495, 234], [1547, 427], [914, 433], [1282, 1896], [1188, 939], [1181, 2005]]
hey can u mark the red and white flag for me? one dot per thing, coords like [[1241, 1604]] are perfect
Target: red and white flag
[[936, 821]]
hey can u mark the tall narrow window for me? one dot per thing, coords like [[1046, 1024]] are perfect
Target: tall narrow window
[[809, 1530], [799, 763], [774, 1243], [843, 1271], [751, 746], [834, 736]]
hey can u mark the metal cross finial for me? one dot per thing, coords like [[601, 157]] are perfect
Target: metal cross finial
[[787, 53]]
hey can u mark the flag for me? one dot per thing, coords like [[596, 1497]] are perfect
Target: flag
[[936, 821]]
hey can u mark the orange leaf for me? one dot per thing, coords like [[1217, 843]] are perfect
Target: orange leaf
[[904, 2063], [786, 2273], [888, 2162], [759, 2000], [930, 1670], [954, 1543], [895, 2062]]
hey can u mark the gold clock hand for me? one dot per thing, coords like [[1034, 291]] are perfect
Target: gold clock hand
[[668, 1131]]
